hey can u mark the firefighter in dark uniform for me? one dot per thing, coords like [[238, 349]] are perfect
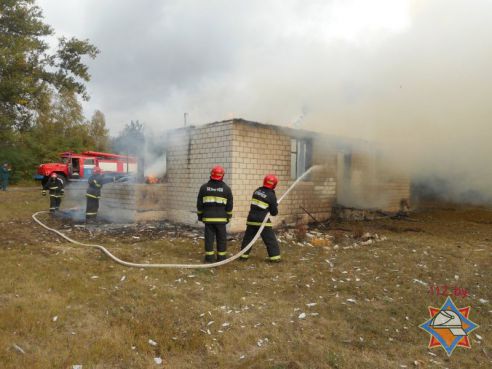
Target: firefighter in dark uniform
[[214, 208], [55, 187], [264, 201], [93, 195]]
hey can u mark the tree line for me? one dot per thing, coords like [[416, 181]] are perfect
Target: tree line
[[41, 92]]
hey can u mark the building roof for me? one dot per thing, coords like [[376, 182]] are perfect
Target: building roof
[[336, 141]]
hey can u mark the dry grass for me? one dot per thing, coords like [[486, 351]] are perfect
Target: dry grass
[[106, 322]]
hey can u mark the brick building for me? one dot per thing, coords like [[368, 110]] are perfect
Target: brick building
[[350, 172]]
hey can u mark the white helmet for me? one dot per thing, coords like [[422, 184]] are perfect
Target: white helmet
[[448, 319]]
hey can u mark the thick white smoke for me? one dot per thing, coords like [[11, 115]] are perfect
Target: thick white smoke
[[413, 75]]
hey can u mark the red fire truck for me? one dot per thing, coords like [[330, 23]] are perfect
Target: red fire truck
[[74, 167]]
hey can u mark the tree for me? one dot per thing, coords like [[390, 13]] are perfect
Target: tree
[[98, 131], [60, 127], [28, 70], [40, 111], [131, 140]]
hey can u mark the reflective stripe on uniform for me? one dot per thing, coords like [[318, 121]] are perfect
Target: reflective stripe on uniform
[[95, 197], [53, 188], [259, 224], [209, 252], [214, 199], [96, 184], [229, 212], [244, 256], [90, 213], [259, 203], [199, 212], [277, 257], [214, 219], [56, 195], [222, 253]]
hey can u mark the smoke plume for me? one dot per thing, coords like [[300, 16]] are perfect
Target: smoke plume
[[412, 75]]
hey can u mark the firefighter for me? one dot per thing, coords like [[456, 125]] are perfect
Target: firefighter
[[214, 208], [263, 202], [93, 195], [5, 174], [55, 187]]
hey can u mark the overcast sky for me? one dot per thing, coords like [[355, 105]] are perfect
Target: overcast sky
[[220, 58], [413, 74]]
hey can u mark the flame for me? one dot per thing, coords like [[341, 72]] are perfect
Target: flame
[[152, 179]]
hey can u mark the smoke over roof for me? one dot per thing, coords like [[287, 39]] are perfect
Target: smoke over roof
[[413, 75]]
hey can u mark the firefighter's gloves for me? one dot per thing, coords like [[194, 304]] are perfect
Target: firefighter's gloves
[[43, 192]]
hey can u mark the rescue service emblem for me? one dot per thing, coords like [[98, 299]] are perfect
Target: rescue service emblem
[[449, 326]]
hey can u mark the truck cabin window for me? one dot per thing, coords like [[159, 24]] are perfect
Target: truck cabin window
[[75, 165]]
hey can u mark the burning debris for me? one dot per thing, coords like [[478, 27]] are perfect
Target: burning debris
[[150, 179]]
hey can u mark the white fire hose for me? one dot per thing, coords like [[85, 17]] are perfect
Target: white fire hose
[[182, 266]]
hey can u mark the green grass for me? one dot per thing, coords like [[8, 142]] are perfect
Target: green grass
[[106, 322]]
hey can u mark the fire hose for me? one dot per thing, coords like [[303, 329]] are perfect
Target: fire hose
[[181, 266]]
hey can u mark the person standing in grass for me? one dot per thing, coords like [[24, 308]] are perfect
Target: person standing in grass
[[5, 174], [214, 208], [264, 201], [55, 187], [93, 195]]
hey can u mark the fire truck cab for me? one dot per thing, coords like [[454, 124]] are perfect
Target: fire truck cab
[[77, 167]]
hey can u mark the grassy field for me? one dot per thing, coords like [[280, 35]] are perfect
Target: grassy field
[[334, 302]]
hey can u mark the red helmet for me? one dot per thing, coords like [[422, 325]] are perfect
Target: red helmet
[[217, 173], [270, 181], [97, 170], [54, 175]]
